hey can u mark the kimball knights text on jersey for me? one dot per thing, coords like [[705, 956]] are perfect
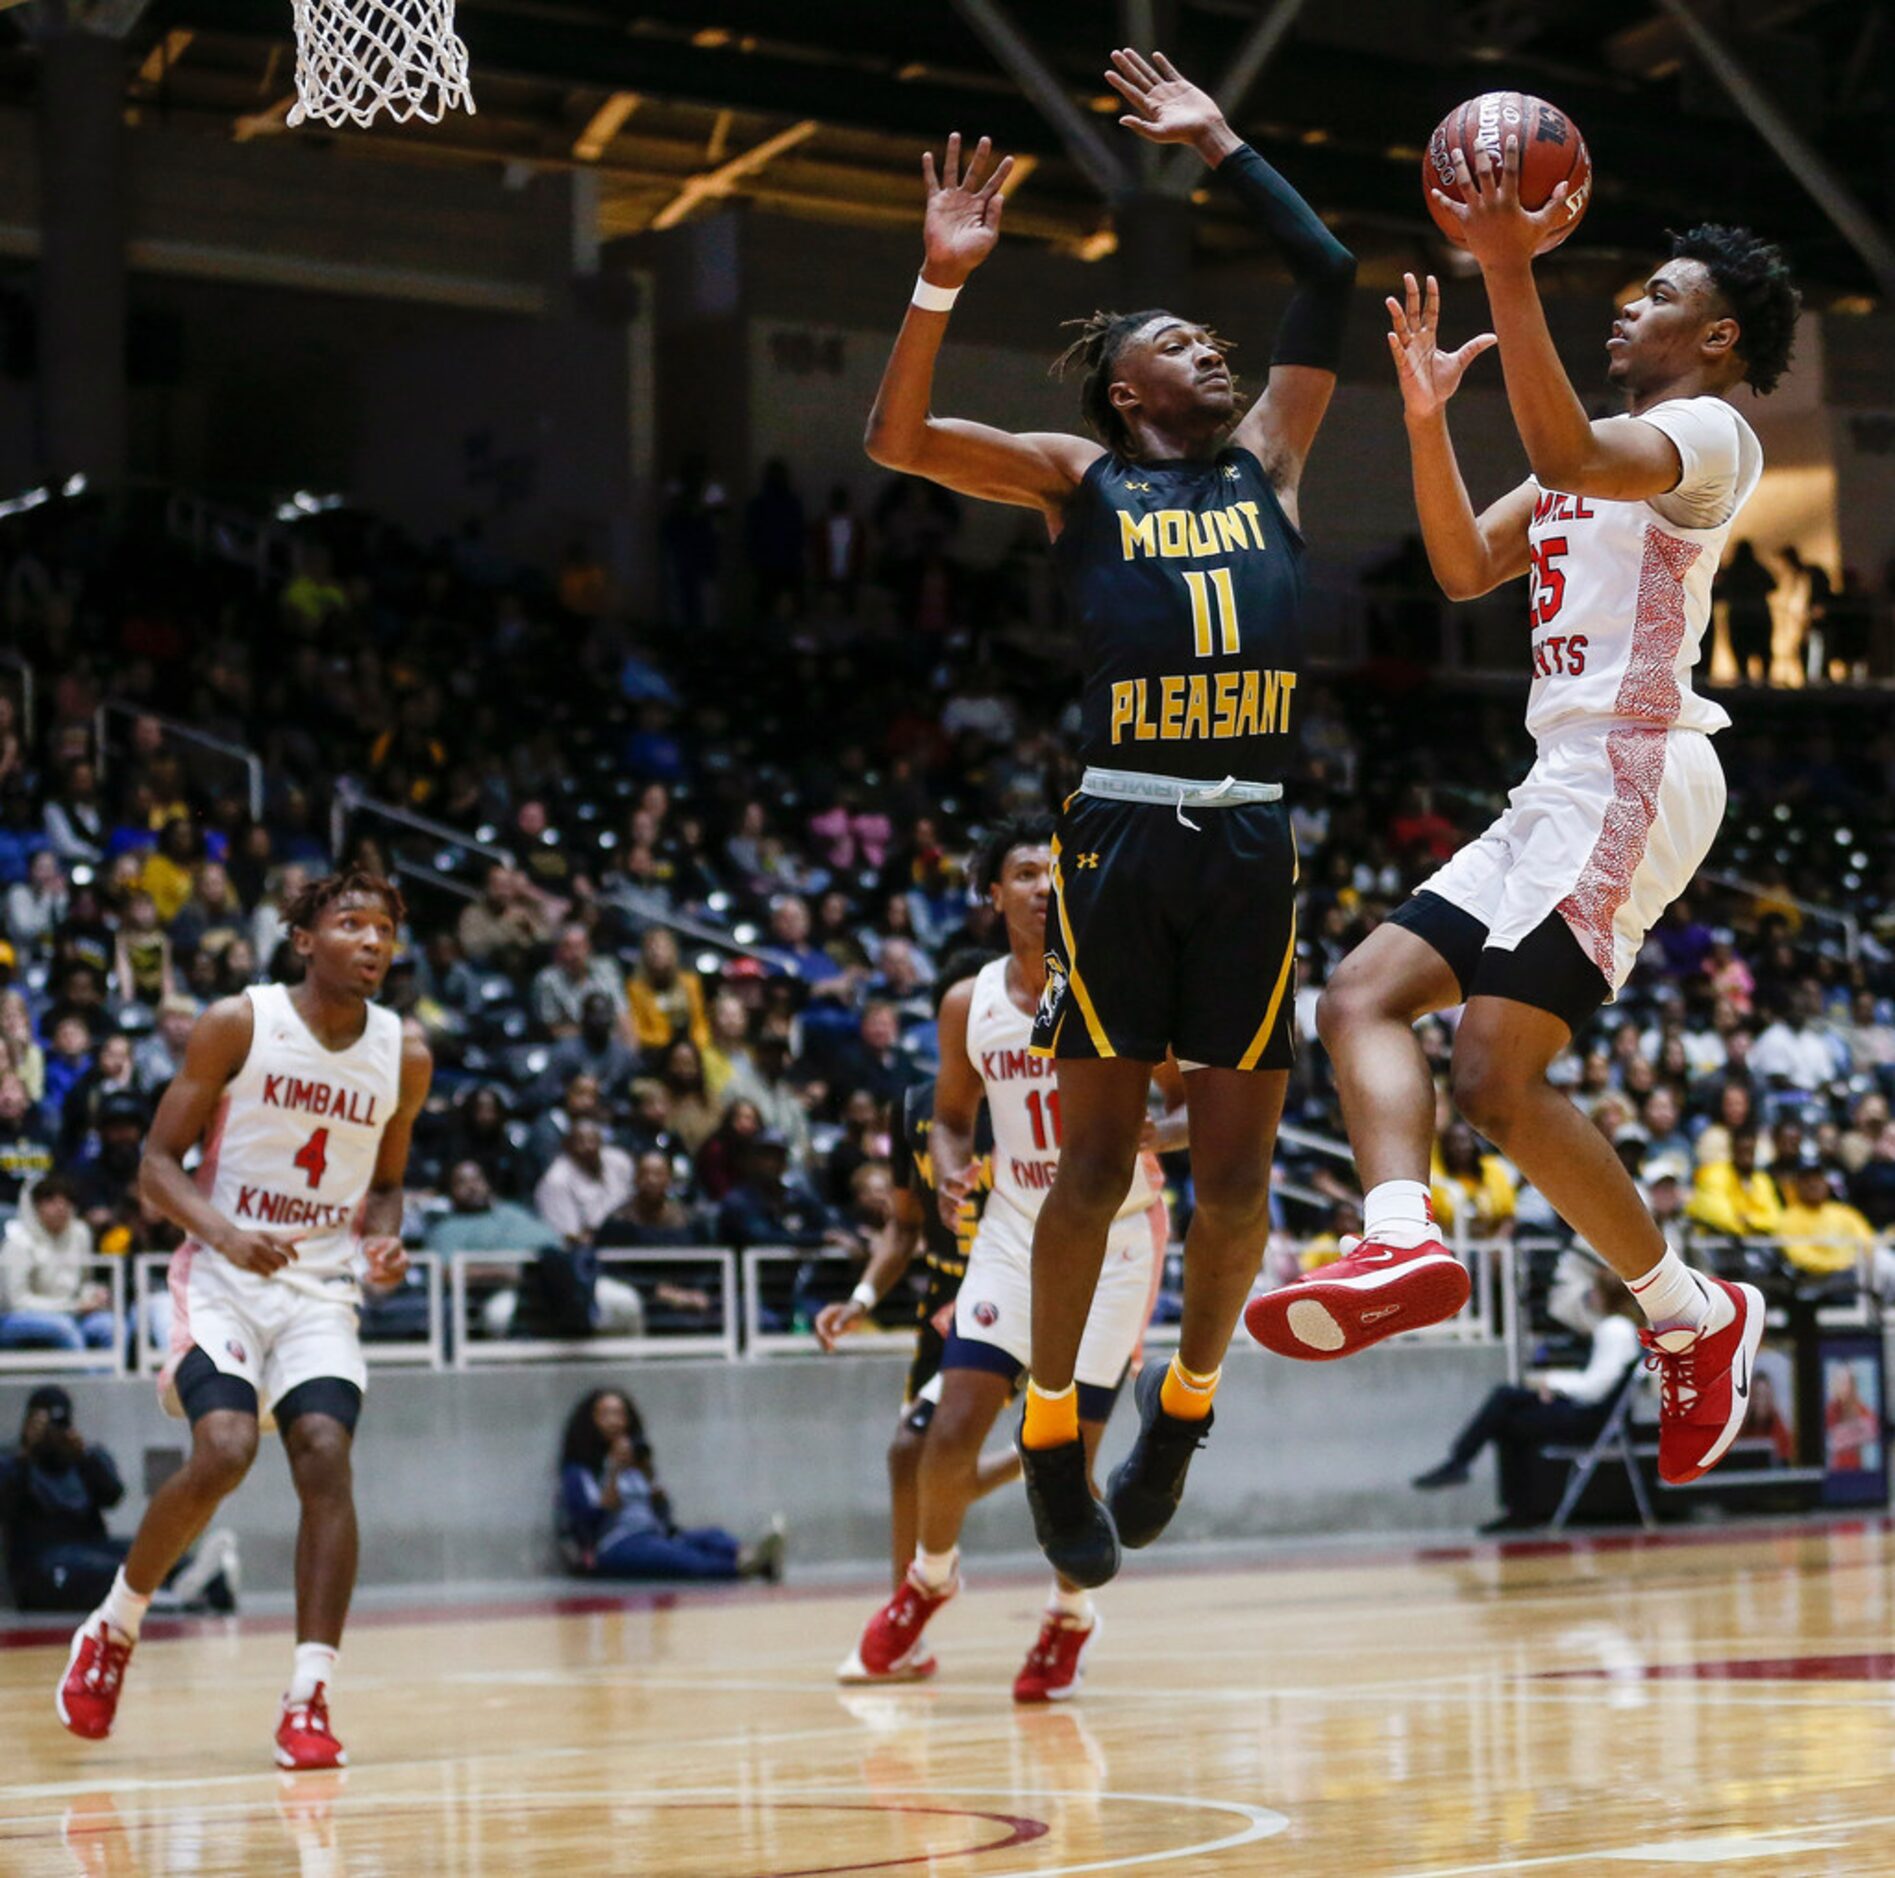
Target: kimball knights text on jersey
[[1186, 583]]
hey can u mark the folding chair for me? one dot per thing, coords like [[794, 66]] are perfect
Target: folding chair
[[1613, 1442]]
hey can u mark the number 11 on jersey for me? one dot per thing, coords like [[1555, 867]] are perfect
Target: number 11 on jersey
[[1201, 590]]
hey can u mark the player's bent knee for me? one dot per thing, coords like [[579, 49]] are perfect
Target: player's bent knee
[[1486, 1094], [1235, 1206], [904, 1454]]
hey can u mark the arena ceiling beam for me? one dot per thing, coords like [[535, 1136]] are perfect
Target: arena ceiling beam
[[1798, 155]]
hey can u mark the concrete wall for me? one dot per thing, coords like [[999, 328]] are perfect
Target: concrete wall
[[455, 1473]]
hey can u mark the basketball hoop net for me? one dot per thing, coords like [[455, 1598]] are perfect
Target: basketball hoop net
[[355, 58]]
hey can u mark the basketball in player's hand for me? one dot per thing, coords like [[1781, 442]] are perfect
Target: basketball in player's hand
[[1551, 152]]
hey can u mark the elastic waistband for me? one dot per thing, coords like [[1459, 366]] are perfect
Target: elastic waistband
[[1183, 792]]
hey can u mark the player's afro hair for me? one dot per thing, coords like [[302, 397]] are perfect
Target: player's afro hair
[[1102, 338], [1756, 284], [302, 910], [1017, 831]]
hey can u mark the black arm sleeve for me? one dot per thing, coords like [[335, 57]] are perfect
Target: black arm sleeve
[[1324, 270]]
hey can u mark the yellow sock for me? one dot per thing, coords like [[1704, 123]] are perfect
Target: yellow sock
[[1052, 1420], [1186, 1396]]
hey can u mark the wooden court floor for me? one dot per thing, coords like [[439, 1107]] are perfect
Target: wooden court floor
[[1725, 1703]]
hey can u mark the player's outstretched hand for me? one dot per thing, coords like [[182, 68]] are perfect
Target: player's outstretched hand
[[387, 1261], [1166, 108], [265, 1253], [1429, 377], [835, 1321], [963, 215], [1498, 229]]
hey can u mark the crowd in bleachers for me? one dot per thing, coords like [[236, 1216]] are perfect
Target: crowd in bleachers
[[678, 953]]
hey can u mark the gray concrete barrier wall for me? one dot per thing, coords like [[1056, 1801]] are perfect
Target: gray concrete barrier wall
[[455, 1473]]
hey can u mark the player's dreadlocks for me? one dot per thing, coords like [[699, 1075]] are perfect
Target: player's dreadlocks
[[1102, 337], [1756, 284], [302, 910], [1017, 831]]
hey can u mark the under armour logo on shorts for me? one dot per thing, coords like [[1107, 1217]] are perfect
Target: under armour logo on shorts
[[234, 1350], [986, 1315]]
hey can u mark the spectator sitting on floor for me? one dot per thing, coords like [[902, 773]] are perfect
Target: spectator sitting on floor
[[55, 1491], [596, 1050], [1736, 1196], [1821, 1235], [560, 990], [614, 1518], [47, 1301], [666, 1001], [1568, 1407]]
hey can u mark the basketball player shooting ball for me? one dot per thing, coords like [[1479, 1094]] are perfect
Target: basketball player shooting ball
[[1174, 532], [302, 1101], [1538, 922]]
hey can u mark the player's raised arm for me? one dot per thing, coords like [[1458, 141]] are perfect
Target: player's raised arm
[[1032, 469], [219, 1043], [1280, 427], [1568, 451], [957, 1098], [1470, 554], [381, 1210]]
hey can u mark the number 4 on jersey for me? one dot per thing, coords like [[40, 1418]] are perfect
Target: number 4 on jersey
[[313, 1157]]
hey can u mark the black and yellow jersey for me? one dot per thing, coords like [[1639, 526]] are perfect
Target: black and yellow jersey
[[911, 1164], [1185, 580]]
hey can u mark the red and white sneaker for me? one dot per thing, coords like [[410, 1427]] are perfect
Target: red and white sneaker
[[1371, 1292], [891, 1649], [1704, 1384], [1055, 1666], [87, 1696], [304, 1739]]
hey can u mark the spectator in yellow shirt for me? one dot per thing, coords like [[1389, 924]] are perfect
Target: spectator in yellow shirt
[[1820, 1233], [1735, 1195], [666, 1001], [1345, 1218], [1470, 1184], [170, 872]]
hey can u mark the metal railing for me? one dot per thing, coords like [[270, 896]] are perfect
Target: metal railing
[[151, 1311], [442, 847], [242, 754], [761, 1305], [474, 1351], [97, 1359]]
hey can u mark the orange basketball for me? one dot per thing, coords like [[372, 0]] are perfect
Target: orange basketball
[[1551, 151]]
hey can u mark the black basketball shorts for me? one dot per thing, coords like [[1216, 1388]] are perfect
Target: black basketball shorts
[[1165, 936]]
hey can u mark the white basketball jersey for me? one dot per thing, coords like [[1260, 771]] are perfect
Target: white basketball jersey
[[293, 1144], [1620, 592], [1023, 1101]]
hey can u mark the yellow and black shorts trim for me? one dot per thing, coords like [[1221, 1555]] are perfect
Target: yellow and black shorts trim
[[1164, 936]]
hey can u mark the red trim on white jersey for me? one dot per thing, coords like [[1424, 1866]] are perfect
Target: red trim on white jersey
[[1649, 689], [1637, 756]]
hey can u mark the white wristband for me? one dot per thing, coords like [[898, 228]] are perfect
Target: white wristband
[[933, 299], [864, 1295]]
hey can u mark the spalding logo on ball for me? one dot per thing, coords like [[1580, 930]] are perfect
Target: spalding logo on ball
[[1551, 152]]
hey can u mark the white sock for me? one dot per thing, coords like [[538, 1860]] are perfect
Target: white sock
[[1398, 1213], [123, 1608], [1075, 1603], [1674, 1297], [315, 1663], [936, 1569]]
